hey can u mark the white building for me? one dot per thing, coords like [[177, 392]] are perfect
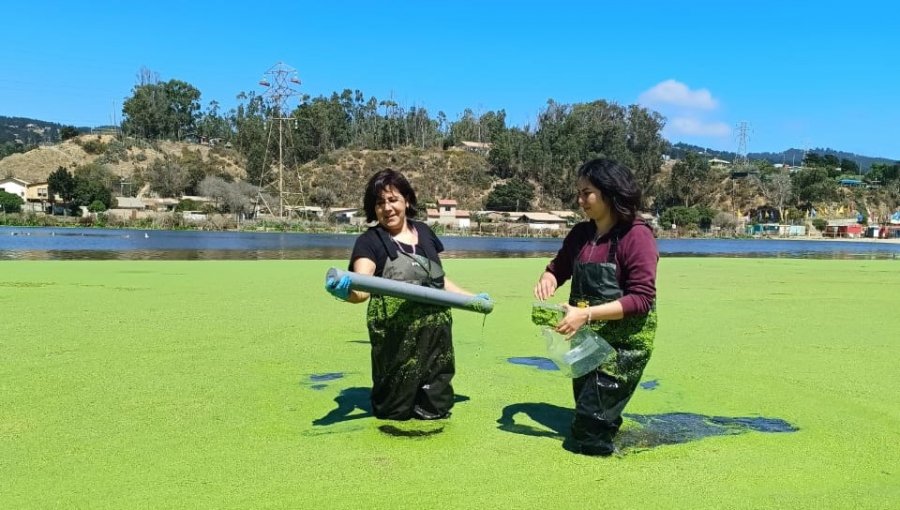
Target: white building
[[14, 186]]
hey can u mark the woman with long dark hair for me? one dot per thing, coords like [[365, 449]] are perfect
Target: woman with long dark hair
[[611, 259]]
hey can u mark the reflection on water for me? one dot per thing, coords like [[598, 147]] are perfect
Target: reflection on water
[[23, 243]]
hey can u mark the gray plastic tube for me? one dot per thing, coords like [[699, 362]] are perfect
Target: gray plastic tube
[[412, 292]]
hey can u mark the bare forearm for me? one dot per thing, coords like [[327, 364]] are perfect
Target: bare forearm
[[611, 311], [452, 287]]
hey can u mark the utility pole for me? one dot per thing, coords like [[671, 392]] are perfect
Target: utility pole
[[279, 82]]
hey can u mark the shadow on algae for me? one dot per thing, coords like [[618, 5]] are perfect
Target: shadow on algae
[[651, 430], [646, 431], [350, 400]]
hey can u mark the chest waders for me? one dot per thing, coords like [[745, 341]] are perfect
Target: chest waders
[[412, 350], [601, 395]]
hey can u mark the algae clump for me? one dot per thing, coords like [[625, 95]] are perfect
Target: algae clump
[[543, 314]]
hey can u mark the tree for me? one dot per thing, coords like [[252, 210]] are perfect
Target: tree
[[848, 166], [251, 136], [777, 188], [512, 196], [324, 198], [161, 110], [814, 185], [691, 179], [687, 218], [813, 159], [645, 145], [67, 132], [167, 177], [87, 192], [212, 125], [236, 197], [10, 203], [61, 183]]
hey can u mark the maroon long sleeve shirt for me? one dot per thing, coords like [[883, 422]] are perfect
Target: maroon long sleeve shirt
[[636, 259]]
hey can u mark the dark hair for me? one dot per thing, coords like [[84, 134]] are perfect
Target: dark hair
[[616, 183], [381, 181]]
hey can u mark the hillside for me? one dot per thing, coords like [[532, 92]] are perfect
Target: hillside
[[453, 173], [123, 159], [790, 156]]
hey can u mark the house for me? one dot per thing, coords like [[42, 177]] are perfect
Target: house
[[130, 203], [776, 229], [343, 214], [38, 192], [571, 217], [14, 186], [447, 207], [37, 196], [843, 228], [719, 163], [162, 204], [194, 215], [492, 216], [128, 208], [476, 146], [447, 214], [541, 221]]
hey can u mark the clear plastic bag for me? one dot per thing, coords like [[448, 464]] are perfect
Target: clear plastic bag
[[576, 355], [546, 314]]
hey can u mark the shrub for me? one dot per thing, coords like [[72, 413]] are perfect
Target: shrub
[[94, 146], [10, 203]]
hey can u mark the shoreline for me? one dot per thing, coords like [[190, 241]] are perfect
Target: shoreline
[[451, 233]]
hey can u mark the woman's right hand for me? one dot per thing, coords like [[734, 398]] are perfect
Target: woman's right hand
[[546, 286]]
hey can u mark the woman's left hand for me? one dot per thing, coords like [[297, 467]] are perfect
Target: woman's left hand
[[574, 319]]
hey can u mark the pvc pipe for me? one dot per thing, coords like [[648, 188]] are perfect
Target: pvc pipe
[[417, 293]]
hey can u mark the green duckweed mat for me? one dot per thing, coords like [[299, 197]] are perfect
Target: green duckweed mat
[[242, 384]]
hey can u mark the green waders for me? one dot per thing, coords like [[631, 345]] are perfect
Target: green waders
[[412, 349], [601, 396]]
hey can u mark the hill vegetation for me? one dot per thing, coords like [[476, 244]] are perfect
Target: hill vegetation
[[325, 148]]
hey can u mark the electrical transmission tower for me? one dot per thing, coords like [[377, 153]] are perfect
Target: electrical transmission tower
[[742, 133], [740, 169], [280, 82]]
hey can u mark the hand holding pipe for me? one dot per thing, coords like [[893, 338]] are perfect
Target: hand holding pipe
[[374, 284]]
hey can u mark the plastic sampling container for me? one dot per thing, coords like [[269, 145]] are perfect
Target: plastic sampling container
[[578, 354]]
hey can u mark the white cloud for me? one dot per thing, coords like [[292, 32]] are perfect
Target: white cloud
[[697, 127], [672, 92]]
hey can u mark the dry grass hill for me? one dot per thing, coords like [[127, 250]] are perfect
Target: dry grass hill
[[454, 173], [122, 158]]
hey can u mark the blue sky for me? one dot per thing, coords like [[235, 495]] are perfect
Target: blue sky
[[801, 74]]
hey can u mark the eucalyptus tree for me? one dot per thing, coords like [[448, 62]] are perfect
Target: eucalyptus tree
[[251, 135], [161, 110], [212, 124], [691, 180], [645, 144]]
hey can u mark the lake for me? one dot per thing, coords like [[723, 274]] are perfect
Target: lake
[[52, 243]]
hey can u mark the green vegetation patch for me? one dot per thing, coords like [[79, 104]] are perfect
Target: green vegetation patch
[[189, 385], [545, 314]]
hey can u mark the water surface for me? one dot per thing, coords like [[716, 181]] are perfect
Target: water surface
[[54, 243]]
